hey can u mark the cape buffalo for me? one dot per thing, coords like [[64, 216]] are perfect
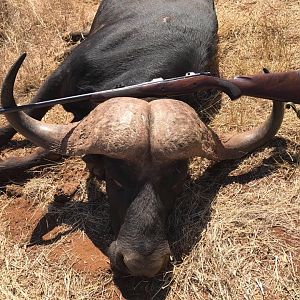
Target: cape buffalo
[[140, 148]]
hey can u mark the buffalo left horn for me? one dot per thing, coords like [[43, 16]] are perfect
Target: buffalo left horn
[[50, 137], [111, 135]]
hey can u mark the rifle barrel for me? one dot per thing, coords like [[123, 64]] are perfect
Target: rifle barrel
[[155, 88]]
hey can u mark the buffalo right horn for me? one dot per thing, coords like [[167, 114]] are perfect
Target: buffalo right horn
[[185, 136], [237, 145]]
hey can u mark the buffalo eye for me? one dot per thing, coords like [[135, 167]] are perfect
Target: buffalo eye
[[177, 187]]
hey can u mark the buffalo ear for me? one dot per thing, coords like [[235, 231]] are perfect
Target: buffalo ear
[[94, 163], [75, 36]]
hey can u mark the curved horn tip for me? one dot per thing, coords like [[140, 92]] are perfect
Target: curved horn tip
[[7, 94], [19, 61], [241, 144]]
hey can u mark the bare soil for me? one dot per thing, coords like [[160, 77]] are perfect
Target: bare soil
[[23, 218]]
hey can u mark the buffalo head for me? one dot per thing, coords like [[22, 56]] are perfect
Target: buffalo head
[[141, 150]]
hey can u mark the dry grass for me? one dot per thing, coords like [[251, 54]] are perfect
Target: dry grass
[[235, 230]]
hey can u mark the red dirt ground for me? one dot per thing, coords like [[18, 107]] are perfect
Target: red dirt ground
[[83, 255], [78, 250], [22, 217]]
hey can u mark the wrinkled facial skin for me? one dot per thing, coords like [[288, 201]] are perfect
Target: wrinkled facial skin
[[141, 198]]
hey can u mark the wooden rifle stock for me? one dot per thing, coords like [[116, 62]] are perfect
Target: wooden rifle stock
[[281, 87]]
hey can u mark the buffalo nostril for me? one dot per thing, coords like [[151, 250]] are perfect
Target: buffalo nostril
[[166, 260], [120, 264]]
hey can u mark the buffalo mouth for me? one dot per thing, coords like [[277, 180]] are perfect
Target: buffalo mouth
[[130, 262], [141, 248]]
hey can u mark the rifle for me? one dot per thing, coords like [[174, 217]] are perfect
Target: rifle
[[283, 87]]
